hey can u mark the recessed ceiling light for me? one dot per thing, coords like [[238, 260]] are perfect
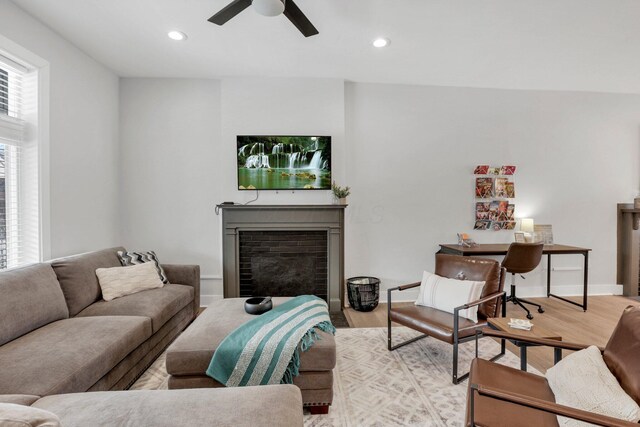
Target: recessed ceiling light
[[177, 35], [381, 42]]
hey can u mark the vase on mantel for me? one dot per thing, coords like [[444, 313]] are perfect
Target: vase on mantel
[[340, 201]]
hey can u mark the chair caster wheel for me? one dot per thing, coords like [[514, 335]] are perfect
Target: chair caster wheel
[[529, 316], [540, 310]]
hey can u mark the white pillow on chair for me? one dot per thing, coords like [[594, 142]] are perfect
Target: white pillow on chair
[[446, 294], [582, 380]]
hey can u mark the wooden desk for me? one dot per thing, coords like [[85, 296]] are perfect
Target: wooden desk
[[502, 324], [502, 248]]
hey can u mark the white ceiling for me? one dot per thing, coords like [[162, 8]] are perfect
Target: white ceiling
[[589, 45]]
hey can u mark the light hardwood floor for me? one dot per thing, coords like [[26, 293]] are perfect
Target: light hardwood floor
[[570, 322]]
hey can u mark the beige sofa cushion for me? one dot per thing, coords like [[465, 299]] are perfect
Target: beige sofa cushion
[[159, 305], [118, 282], [69, 355], [18, 399], [30, 297], [77, 276], [277, 405], [12, 415]]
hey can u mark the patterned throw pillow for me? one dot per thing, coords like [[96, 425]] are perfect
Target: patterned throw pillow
[[135, 258]]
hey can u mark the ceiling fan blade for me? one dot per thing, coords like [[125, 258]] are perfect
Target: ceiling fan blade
[[295, 15], [229, 11]]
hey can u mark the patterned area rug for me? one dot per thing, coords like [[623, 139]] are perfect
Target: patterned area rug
[[410, 386]]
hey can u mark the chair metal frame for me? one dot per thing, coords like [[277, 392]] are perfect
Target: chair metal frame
[[456, 340]]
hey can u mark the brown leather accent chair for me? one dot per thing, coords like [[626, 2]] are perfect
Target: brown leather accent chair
[[448, 327], [503, 396], [522, 258]]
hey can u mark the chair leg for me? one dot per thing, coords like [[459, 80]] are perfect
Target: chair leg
[[456, 380], [390, 346], [529, 315], [524, 301], [518, 301]]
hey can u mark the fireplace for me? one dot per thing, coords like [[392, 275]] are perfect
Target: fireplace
[[284, 250], [283, 263]]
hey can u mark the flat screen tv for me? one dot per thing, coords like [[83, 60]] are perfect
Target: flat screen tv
[[284, 162]]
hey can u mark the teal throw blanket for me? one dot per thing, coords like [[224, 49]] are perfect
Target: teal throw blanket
[[265, 350]]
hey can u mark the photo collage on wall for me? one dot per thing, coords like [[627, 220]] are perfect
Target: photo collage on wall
[[494, 192]]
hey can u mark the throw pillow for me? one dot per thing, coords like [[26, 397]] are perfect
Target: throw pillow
[[117, 282], [583, 381], [135, 258], [12, 415], [446, 294]]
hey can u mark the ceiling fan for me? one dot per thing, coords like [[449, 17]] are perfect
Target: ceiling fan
[[267, 8]]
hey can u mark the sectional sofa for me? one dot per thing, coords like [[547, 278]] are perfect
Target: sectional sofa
[[276, 405], [57, 335], [60, 339]]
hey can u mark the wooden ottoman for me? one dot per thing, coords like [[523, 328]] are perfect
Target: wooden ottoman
[[190, 354]]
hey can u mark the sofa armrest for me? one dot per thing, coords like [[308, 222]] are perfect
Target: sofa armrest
[[19, 399], [185, 275], [546, 406]]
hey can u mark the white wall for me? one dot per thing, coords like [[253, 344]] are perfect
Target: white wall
[[407, 151], [83, 140], [281, 107], [170, 160], [411, 154], [178, 156]]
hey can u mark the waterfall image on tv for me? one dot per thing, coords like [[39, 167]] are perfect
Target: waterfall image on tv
[[284, 162]]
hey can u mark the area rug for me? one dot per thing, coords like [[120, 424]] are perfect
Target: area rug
[[410, 386]]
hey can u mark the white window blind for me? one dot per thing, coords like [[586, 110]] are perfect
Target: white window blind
[[19, 200]]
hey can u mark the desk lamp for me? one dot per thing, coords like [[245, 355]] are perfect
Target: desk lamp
[[526, 226]]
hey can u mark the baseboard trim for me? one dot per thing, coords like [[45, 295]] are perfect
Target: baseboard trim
[[206, 300], [527, 292], [524, 292]]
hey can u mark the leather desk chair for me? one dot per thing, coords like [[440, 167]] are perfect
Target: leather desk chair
[[502, 396], [447, 327], [522, 258]]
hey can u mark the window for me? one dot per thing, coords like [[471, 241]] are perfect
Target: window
[[19, 201]]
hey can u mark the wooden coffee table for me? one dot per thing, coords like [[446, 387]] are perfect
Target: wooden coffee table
[[501, 324]]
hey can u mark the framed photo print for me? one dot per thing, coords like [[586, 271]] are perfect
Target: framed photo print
[[519, 236]]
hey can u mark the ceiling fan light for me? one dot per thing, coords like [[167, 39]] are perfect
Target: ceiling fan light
[[268, 7]]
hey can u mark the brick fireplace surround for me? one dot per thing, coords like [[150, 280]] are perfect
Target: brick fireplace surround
[[284, 250]]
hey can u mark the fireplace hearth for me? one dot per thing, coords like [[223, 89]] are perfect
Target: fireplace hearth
[[284, 250]]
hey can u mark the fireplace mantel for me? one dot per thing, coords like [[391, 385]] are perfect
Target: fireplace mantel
[[329, 218]]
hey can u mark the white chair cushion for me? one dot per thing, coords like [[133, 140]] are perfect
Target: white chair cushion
[[582, 380], [12, 415], [446, 294], [117, 282]]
